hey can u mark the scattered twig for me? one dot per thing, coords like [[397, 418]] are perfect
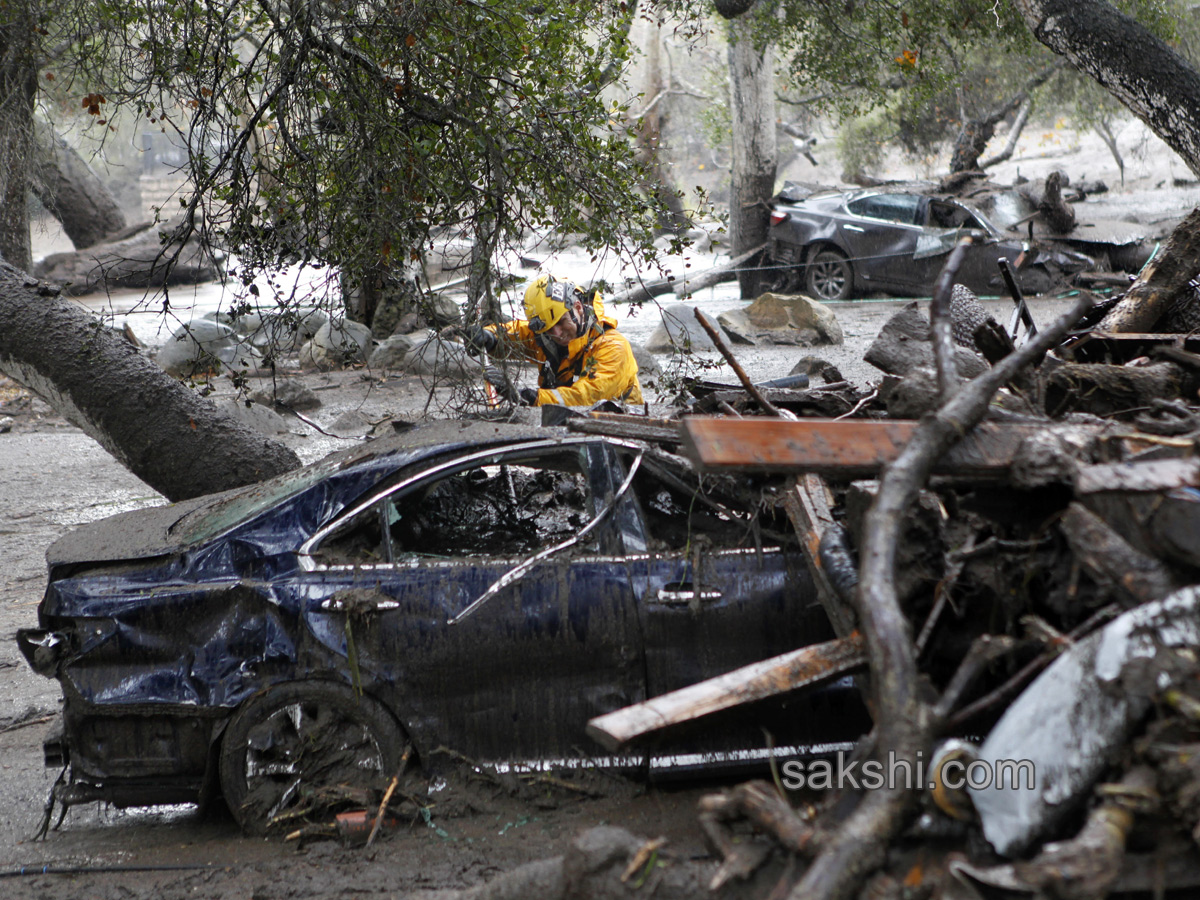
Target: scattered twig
[[387, 795]]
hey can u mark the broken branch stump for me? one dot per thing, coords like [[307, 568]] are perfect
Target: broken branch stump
[[1160, 282]]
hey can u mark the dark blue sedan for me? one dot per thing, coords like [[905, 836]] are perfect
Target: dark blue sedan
[[477, 587]]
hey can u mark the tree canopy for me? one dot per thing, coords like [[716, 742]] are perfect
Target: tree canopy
[[354, 134]]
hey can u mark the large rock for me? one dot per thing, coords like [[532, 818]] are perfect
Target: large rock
[[206, 346], [260, 418], [337, 344], [649, 371], [282, 332], [679, 331], [789, 319], [441, 359], [392, 353], [288, 393]]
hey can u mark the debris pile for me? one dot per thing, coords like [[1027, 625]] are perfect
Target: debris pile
[[1006, 538]]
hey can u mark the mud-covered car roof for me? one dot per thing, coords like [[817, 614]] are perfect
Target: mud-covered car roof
[[144, 533]]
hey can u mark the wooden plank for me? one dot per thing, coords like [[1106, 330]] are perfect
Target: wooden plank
[[770, 677], [807, 505], [845, 448], [638, 428]]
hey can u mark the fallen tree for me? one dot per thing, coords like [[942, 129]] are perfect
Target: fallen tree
[[167, 435], [152, 257], [71, 191]]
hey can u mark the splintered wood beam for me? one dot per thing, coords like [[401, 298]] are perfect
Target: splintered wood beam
[[842, 448], [807, 505], [770, 677]]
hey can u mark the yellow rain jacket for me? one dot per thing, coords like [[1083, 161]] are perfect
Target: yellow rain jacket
[[597, 365]]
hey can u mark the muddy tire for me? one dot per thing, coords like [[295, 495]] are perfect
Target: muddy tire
[[286, 744], [828, 276]]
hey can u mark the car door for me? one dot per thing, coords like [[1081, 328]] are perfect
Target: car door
[[719, 590], [883, 232], [517, 677]]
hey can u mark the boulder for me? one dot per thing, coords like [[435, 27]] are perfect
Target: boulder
[[790, 319], [390, 354], [205, 346], [337, 344], [649, 371], [285, 332], [440, 358], [290, 393], [261, 418], [679, 331], [443, 311]]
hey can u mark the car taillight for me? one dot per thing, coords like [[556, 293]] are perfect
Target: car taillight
[[777, 217]]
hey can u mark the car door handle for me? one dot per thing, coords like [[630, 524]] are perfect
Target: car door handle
[[683, 593], [855, 228]]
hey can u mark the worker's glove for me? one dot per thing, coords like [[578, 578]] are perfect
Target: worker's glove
[[505, 389], [508, 391], [476, 338]]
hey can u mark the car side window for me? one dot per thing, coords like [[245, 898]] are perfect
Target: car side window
[[504, 507], [357, 541], [507, 510], [901, 208], [681, 511]]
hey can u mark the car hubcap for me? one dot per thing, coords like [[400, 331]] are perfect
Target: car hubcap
[[829, 279]]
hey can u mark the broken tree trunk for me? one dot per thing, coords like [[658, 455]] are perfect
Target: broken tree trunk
[[1047, 196], [1160, 282], [904, 721], [71, 191], [727, 271], [1104, 390], [177, 442], [150, 258], [1110, 560], [904, 344]]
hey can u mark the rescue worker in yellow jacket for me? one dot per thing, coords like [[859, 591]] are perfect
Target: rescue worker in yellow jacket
[[583, 358]]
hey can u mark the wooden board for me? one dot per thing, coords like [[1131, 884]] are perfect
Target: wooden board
[[845, 448], [799, 668]]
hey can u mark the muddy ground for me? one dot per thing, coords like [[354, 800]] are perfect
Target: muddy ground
[[52, 477]]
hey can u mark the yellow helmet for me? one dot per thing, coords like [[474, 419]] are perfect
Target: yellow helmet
[[547, 301]]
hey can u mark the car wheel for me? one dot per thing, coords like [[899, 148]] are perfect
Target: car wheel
[[287, 743], [828, 275]]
